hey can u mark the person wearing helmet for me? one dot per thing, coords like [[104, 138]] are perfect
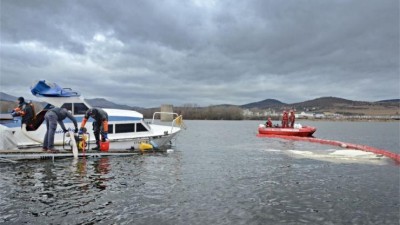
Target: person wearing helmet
[[25, 111], [100, 124], [52, 117]]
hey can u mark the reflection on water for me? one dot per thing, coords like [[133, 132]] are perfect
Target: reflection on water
[[218, 173], [100, 167], [83, 190]]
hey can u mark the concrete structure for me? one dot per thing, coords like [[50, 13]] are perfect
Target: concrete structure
[[167, 117]]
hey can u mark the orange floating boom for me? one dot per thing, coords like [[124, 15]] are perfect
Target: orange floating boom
[[392, 155]]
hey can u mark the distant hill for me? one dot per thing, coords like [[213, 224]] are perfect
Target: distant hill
[[7, 97], [9, 102], [395, 101], [323, 104], [223, 105], [267, 103], [11, 98], [333, 105]]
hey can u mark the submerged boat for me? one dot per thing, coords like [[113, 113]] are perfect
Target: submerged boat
[[127, 128], [297, 130]]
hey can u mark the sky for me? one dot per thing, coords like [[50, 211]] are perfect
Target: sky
[[202, 52]]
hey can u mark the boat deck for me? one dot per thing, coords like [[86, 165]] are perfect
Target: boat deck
[[37, 153]]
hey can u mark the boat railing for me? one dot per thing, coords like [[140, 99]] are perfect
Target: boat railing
[[176, 122]]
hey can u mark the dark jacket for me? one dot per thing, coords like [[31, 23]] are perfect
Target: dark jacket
[[97, 114], [63, 113], [28, 114]]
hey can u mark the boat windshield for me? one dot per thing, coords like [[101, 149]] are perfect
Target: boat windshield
[[77, 108], [145, 124]]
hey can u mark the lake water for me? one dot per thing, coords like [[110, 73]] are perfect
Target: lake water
[[218, 173]]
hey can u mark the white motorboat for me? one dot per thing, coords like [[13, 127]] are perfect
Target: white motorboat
[[126, 128]]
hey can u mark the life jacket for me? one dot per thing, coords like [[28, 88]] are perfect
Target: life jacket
[[33, 111], [28, 114], [29, 110]]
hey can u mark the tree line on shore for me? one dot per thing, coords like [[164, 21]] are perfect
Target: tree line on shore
[[193, 112], [224, 112]]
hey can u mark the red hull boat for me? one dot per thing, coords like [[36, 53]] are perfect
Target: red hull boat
[[304, 131]]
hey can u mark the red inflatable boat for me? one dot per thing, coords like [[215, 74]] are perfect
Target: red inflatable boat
[[304, 131]]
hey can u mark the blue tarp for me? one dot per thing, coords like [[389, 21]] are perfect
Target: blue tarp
[[43, 88]]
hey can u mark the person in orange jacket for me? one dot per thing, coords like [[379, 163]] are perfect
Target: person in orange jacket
[[291, 118], [25, 111], [100, 124], [285, 119]]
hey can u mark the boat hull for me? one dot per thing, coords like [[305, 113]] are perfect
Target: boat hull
[[160, 134], [305, 131], [125, 127]]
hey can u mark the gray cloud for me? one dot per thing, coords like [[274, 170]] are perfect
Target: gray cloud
[[147, 53]]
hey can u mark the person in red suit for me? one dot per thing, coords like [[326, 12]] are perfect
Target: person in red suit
[[285, 119], [291, 118], [269, 122]]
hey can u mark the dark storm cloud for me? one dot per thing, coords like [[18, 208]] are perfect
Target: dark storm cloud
[[146, 53]]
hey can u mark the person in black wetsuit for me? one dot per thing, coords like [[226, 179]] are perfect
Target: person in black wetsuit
[[100, 124]]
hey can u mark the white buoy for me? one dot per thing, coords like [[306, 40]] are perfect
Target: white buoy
[[170, 150]]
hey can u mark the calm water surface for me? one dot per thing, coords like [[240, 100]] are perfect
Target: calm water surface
[[219, 173]]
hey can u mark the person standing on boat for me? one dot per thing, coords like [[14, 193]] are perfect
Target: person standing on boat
[[25, 110], [285, 119], [269, 122], [291, 118], [100, 124], [52, 117]]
